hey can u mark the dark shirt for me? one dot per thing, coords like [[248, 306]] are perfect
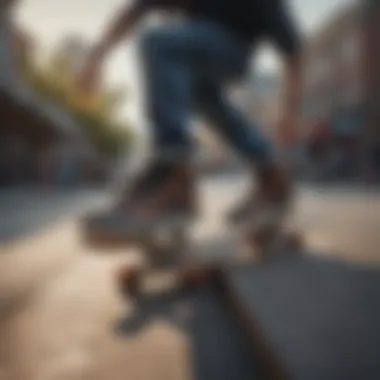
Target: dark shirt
[[251, 19]]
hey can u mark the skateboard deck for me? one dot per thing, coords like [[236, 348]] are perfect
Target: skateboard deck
[[171, 253], [187, 268], [137, 281]]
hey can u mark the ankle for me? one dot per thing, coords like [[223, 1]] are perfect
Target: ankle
[[274, 181], [184, 184]]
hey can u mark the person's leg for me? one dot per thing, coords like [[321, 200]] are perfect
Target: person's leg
[[273, 183], [233, 126], [173, 60], [271, 178], [172, 57]]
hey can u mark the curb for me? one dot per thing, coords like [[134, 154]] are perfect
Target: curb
[[262, 351]]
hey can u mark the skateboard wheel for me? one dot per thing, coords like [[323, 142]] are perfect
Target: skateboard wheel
[[128, 280]]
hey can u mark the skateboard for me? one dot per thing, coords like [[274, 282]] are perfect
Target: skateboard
[[133, 281], [279, 239], [168, 248], [263, 244], [169, 253]]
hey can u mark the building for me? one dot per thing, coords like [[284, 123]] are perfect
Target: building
[[342, 86], [371, 78], [333, 73], [30, 127]]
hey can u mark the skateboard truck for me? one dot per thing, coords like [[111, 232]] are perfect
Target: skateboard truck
[[187, 277]]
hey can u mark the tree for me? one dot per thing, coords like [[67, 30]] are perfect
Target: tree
[[55, 81]]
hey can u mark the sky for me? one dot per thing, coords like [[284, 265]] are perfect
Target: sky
[[50, 20]]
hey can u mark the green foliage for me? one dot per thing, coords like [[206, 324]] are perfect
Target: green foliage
[[55, 82], [109, 138]]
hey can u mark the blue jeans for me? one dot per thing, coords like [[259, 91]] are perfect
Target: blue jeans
[[187, 65]]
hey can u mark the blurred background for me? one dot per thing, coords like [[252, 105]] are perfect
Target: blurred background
[[60, 151], [53, 139], [50, 135]]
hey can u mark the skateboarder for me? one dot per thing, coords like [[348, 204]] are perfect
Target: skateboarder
[[187, 65]]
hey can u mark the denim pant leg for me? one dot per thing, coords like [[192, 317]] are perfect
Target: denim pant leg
[[168, 82], [175, 58], [237, 130]]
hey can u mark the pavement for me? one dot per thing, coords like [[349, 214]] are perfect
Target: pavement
[[310, 318], [338, 221], [59, 305], [25, 211]]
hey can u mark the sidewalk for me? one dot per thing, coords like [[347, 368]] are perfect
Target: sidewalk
[[59, 303], [24, 211], [59, 309]]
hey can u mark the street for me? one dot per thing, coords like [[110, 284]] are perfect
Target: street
[[26, 210], [339, 221], [60, 309]]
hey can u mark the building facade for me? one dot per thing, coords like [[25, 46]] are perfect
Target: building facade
[[332, 69], [371, 74], [342, 86], [31, 129]]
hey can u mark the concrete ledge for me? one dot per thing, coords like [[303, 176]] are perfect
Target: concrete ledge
[[309, 318]]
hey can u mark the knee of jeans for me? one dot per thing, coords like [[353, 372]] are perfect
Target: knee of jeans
[[208, 104], [153, 41]]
